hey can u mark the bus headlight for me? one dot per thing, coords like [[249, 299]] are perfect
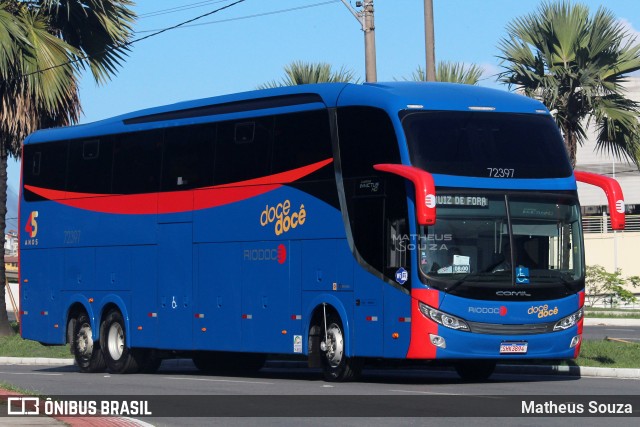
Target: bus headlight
[[445, 319], [569, 321]]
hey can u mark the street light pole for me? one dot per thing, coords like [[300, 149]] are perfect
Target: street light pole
[[429, 41], [365, 18]]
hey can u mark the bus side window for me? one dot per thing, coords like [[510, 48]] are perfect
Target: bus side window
[[188, 157], [90, 166], [136, 162], [48, 169], [376, 202], [302, 139], [243, 150], [36, 163]]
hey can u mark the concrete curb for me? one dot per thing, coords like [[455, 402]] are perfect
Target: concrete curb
[[40, 361]]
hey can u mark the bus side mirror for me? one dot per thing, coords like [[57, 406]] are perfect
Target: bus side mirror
[[613, 191], [425, 189]]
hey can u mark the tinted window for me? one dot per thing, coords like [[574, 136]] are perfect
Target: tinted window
[[376, 201], [90, 164], [44, 166], [243, 150], [367, 137], [500, 145], [300, 140], [136, 163], [188, 157]]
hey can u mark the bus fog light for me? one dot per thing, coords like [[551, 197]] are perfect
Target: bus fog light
[[575, 341], [438, 341]]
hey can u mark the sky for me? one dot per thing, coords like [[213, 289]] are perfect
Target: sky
[[239, 48]]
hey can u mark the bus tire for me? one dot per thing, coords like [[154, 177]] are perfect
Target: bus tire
[[120, 359], [336, 366], [475, 370], [86, 351]]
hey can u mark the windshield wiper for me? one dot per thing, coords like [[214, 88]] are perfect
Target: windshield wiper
[[465, 279], [562, 276]]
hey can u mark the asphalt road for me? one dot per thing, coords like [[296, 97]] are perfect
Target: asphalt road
[[398, 385], [627, 333]]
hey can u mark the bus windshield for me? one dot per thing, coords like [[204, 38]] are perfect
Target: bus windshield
[[481, 144], [518, 239]]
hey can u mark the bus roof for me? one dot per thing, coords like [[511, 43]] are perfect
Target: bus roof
[[393, 97]]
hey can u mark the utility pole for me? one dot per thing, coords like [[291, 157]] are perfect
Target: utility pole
[[365, 18], [429, 41]]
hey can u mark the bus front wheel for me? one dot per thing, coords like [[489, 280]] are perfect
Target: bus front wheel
[[336, 366], [120, 359], [86, 350]]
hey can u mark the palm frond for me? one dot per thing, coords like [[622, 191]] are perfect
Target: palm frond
[[576, 64], [300, 72]]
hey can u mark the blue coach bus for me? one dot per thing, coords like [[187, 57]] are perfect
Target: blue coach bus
[[339, 222]]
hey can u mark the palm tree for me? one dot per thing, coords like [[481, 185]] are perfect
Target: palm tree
[[576, 65], [452, 72], [300, 72], [44, 47]]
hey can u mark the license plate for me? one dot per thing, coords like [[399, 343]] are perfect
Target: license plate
[[513, 347]]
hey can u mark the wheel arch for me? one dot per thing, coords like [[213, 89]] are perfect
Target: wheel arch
[[114, 302], [315, 311], [78, 304]]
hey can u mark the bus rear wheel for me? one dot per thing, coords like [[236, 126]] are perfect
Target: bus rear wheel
[[336, 366], [86, 351], [475, 370], [119, 358]]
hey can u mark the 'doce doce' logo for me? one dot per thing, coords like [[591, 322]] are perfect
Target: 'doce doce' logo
[[282, 216]]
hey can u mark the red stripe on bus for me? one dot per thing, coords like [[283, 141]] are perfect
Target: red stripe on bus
[[177, 201]]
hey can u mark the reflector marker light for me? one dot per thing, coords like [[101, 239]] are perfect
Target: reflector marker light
[[55, 326], [404, 319], [153, 314], [247, 316], [199, 315], [23, 312], [296, 317], [44, 313], [372, 318], [139, 328], [481, 108]]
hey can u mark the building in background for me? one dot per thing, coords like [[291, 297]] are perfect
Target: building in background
[[603, 247]]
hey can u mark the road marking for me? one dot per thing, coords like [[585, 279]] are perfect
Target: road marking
[[621, 330], [218, 381], [27, 373], [428, 392], [447, 394]]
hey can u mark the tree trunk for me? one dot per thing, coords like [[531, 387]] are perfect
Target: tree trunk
[[5, 328], [571, 144]]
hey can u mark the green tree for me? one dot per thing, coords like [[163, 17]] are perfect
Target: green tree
[[604, 287], [451, 72], [300, 73], [44, 47], [576, 65]]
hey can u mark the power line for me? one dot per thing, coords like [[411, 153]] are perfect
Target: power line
[[158, 32], [179, 8], [252, 16]]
